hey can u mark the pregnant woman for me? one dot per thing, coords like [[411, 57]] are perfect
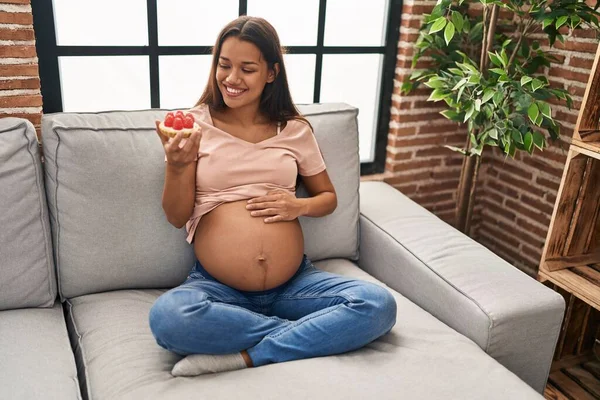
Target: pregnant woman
[[253, 297]]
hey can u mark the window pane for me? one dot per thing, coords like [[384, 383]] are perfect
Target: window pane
[[182, 80], [355, 22], [105, 83], [96, 23], [193, 22], [300, 70], [355, 79], [296, 22]]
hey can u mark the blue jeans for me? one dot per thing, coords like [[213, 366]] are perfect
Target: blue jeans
[[315, 313]]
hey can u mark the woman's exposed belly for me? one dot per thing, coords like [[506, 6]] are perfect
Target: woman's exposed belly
[[244, 252]]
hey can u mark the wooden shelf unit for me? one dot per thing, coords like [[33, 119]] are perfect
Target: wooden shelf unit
[[571, 255], [587, 128], [570, 262]]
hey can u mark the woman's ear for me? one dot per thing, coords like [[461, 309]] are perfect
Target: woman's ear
[[273, 73]]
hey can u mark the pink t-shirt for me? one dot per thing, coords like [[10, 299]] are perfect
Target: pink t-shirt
[[232, 169]]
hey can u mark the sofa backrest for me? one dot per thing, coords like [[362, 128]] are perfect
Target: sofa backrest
[[27, 277], [104, 180]]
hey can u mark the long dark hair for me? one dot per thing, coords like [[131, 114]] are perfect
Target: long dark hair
[[276, 100]]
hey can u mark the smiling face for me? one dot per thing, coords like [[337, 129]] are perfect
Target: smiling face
[[242, 73]]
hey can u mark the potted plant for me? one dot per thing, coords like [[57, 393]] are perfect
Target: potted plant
[[502, 98]]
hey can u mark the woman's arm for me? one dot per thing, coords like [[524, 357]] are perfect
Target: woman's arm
[[323, 200], [178, 193], [180, 176]]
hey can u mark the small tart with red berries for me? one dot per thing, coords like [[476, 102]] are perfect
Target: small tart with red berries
[[178, 122]]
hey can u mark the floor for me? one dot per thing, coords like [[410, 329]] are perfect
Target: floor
[[577, 379]]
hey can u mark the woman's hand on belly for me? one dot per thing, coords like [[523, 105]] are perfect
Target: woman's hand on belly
[[277, 205]]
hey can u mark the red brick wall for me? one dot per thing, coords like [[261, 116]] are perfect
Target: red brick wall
[[515, 198], [19, 77]]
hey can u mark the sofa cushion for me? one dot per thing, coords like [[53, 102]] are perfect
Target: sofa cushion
[[336, 130], [35, 355], [104, 179], [27, 277], [421, 358]]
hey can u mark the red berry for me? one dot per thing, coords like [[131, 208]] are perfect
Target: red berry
[[169, 120], [169, 113], [188, 122], [190, 115], [180, 114], [178, 124]]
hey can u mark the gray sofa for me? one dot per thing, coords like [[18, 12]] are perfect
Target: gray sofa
[[86, 249]]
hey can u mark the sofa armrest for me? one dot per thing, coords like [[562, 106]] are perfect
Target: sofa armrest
[[511, 316]]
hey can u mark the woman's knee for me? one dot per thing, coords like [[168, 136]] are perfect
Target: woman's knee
[[169, 312], [382, 306]]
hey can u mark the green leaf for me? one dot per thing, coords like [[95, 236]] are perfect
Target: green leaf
[[504, 58], [459, 84], [533, 112], [507, 147], [434, 83], [559, 93], [488, 109], [512, 150], [406, 87], [493, 133], [498, 96], [495, 59], [460, 92], [498, 71], [437, 95], [458, 20], [475, 78], [451, 115], [545, 109], [438, 25], [416, 75], [538, 140], [560, 21], [468, 67], [449, 32], [478, 105], [462, 151], [525, 80], [463, 55], [487, 94], [547, 21], [536, 84], [528, 142], [516, 136], [539, 120], [469, 112], [456, 71]]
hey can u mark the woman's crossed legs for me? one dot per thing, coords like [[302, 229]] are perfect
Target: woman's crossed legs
[[316, 313]]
